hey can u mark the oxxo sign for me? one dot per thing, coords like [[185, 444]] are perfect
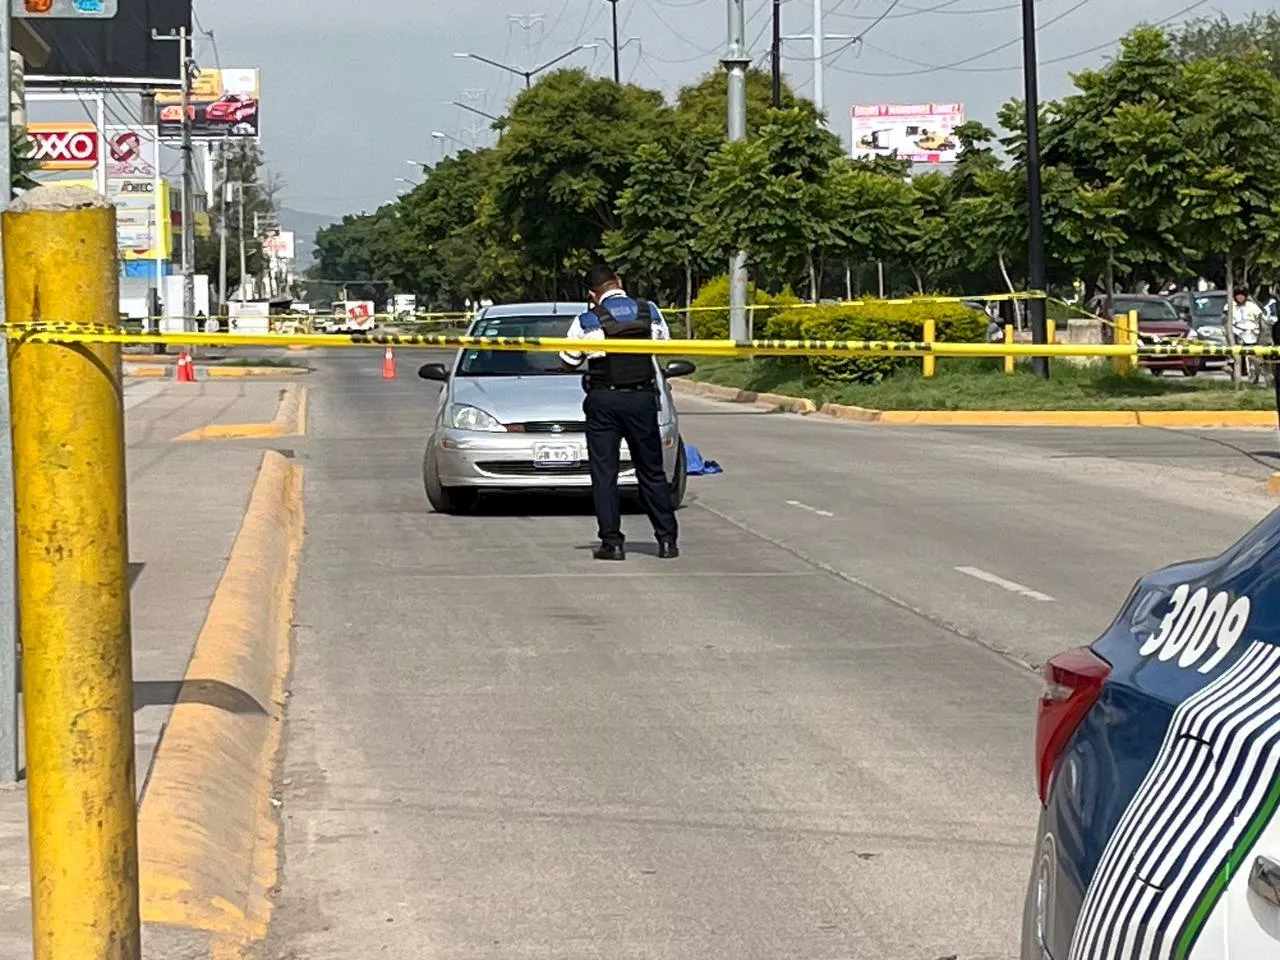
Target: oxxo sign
[[64, 146]]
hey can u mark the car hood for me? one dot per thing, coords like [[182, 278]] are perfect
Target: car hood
[[519, 399]]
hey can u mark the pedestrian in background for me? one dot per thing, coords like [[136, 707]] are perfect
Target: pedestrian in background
[[622, 404]]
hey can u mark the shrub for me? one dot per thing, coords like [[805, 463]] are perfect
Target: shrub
[[877, 320], [714, 324]]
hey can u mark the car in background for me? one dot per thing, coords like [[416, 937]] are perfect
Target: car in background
[[1158, 770], [512, 420], [1204, 312], [1158, 322]]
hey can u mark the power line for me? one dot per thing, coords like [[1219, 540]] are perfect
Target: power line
[[937, 68], [943, 8], [1016, 67], [877, 21]]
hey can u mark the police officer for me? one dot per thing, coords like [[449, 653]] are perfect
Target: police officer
[[622, 404]]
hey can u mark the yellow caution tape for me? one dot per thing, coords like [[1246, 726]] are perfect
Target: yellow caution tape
[[81, 333]]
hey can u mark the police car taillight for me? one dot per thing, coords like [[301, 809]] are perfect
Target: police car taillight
[[1072, 683]]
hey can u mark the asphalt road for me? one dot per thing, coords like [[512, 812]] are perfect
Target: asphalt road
[[810, 737]]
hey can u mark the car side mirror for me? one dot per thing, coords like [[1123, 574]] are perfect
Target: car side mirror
[[433, 371], [679, 368]]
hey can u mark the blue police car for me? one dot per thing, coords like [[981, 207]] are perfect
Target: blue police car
[[1158, 763]]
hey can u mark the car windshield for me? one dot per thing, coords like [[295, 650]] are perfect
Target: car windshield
[[512, 363], [1158, 310], [1209, 308]]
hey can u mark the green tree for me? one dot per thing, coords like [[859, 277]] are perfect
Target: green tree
[[252, 186], [563, 161], [1212, 38]]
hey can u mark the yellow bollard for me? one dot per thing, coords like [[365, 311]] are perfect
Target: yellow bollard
[[1126, 331], [73, 583], [930, 364], [1051, 326], [1008, 339]]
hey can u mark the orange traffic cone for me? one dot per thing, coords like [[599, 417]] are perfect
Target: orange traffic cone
[[388, 366], [186, 368]]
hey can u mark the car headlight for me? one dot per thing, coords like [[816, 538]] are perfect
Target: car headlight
[[464, 417], [1211, 333]]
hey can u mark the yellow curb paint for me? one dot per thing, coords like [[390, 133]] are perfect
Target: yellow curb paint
[[1273, 484], [1011, 418], [208, 831], [290, 421], [847, 412], [801, 405], [239, 373], [1207, 419], [145, 373]]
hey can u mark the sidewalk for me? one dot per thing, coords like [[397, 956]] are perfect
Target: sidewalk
[[186, 501]]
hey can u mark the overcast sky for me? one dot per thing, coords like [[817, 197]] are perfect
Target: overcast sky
[[352, 89]]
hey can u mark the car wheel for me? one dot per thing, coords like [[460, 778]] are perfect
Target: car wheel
[[1190, 371], [681, 480], [445, 499]]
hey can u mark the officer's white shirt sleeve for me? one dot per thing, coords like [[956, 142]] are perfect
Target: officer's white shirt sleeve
[[574, 358], [660, 329]]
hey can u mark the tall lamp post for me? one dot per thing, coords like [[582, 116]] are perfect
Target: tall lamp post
[[1035, 210], [527, 74]]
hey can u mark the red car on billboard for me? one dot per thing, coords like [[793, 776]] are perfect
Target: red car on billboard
[[231, 108]]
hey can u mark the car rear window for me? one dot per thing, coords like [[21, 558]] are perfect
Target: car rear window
[[1147, 309], [514, 363], [1210, 307]]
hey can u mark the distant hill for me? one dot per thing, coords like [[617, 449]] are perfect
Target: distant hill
[[304, 225]]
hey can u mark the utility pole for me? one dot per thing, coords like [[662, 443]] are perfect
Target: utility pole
[[243, 268], [775, 54], [617, 73], [223, 191], [188, 186], [736, 61], [1035, 211], [818, 51]]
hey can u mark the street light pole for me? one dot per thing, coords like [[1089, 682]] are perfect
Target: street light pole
[[736, 61], [617, 73], [527, 74], [775, 55], [1035, 211]]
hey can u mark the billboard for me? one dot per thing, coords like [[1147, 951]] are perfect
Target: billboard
[[223, 103], [70, 145], [279, 246], [119, 46], [125, 154], [919, 132], [61, 9]]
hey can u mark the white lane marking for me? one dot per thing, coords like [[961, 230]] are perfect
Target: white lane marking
[[980, 574], [805, 506], [136, 393]]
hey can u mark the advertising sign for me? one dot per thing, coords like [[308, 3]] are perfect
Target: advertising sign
[[63, 9], [133, 43], [64, 146], [223, 103], [919, 132], [125, 154], [143, 229], [279, 246]]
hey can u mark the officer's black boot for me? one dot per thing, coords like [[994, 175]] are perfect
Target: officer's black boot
[[609, 551]]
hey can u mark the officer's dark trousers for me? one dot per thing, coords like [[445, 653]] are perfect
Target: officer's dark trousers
[[630, 415]]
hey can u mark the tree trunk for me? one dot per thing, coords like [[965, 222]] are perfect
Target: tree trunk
[[688, 299], [919, 281], [848, 281], [813, 280], [1004, 272], [880, 274]]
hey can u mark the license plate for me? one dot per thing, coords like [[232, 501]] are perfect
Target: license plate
[[556, 454]]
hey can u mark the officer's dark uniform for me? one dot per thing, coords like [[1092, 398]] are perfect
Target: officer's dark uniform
[[622, 404]]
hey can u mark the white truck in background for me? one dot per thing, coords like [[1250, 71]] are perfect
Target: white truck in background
[[404, 306], [352, 316]]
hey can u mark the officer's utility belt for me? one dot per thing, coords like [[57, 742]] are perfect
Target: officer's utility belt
[[625, 388]]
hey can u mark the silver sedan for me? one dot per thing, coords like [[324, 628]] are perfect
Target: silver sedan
[[511, 420]]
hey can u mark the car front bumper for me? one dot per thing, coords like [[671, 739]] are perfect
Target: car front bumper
[[506, 460]]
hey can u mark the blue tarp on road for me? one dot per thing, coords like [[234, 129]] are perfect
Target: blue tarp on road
[[698, 467]]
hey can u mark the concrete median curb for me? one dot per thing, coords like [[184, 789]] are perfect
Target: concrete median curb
[[208, 831], [1184, 419], [237, 373], [290, 421], [773, 401]]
